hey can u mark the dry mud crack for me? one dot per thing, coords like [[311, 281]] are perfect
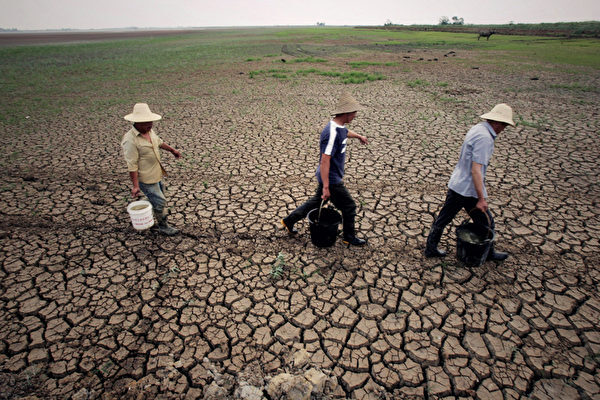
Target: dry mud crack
[[92, 309]]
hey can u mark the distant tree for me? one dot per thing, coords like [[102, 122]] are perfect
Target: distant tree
[[444, 20], [458, 21], [320, 23], [388, 22]]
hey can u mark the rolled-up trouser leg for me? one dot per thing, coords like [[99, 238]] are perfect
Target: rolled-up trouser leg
[[155, 194], [303, 210], [452, 205]]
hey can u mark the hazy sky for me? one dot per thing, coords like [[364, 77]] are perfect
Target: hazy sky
[[97, 14]]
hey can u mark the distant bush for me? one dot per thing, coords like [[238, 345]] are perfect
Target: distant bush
[[589, 29]]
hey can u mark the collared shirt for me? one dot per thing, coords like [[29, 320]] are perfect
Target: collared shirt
[[478, 147], [333, 143], [143, 156]]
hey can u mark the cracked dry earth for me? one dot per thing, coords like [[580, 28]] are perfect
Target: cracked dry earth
[[91, 308]]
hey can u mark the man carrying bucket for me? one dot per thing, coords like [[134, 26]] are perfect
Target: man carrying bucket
[[466, 188], [330, 171], [141, 151]]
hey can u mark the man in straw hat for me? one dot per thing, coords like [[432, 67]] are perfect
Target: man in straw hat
[[140, 149], [330, 171], [466, 188]]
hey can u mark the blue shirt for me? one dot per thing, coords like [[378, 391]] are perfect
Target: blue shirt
[[477, 147], [333, 143]]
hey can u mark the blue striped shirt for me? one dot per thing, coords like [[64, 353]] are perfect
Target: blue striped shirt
[[333, 143], [477, 147]]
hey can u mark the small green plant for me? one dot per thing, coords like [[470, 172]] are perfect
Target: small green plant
[[106, 367], [277, 269], [189, 302]]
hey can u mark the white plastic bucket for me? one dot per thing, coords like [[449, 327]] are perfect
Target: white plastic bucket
[[141, 214]]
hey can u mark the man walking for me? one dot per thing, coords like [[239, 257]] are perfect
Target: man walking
[[330, 171], [466, 188], [140, 149]]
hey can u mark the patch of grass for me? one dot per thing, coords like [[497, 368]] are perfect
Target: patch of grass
[[253, 59], [310, 59], [358, 64], [345, 77], [49, 81], [536, 124], [417, 83], [578, 87]]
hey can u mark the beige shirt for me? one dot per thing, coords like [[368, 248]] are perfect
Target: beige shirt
[[143, 156]]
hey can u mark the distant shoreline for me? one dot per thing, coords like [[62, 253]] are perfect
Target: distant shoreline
[[16, 38], [48, 37]]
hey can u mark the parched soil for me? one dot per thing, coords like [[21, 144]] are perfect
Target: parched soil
[[90, 308]]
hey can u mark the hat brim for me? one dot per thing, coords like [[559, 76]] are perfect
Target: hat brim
[[347, 110], [142, 118], [497, 117]]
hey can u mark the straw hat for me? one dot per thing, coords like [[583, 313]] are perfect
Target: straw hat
[[141, 113], [500, 113], [346, 104]]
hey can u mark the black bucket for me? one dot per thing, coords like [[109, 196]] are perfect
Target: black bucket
[[473, 242], [324, 228]]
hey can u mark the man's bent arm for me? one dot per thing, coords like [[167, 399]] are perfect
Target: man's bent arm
[[477, 176], [135, 192], [325, 163], [165, 146], [352, 134]]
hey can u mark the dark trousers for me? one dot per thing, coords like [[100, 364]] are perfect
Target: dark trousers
[[341, 199], [453, 204]]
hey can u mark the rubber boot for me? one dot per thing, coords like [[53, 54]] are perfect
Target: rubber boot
[[494, 255], [431, 250], [163, 226], [350, 235]]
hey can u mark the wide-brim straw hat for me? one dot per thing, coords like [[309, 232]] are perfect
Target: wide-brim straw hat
[[346, 104], [500, 113], [141, 113]]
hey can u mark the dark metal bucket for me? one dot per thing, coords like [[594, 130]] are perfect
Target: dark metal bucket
[[323, 225], [473, 243]]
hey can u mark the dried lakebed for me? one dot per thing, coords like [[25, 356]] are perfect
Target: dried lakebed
[[91, 308]]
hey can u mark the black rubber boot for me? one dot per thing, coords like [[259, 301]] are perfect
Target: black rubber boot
[[494, 255], [163, 226], [354, 241], [289, 226], [433, 239]]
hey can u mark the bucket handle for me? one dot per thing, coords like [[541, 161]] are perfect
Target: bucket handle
[[320, 207], [489, 223]]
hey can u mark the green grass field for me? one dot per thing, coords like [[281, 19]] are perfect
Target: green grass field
[[46, 79]]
